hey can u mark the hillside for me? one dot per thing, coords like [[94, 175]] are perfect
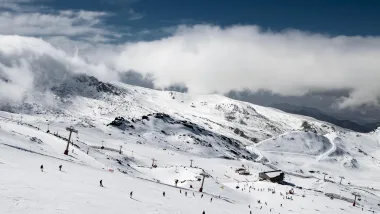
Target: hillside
[[141, 140], [315, 113]]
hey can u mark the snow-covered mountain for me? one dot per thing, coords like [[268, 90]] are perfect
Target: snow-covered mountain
[[127, 129]]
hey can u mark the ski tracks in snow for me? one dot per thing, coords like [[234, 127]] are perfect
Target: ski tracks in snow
[[330, 137]]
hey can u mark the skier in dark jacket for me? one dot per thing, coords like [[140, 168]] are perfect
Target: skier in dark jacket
[[131, 194], [60, 167], [101, 183], [42, 168], [163, 194]]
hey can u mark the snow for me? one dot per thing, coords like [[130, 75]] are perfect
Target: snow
[[273, 174], [218, 134]]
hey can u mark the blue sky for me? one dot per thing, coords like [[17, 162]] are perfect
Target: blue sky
[[151, 19]]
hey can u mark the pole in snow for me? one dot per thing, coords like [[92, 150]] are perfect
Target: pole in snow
[[205, 175], [153, 163], [71, 130], [341, 178], [324, 176], [356, 195]]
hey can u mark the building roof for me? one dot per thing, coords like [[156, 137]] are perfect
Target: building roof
[[272, 174]]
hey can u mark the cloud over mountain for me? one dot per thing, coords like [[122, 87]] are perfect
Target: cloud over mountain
[[203, 58], [209, 58]]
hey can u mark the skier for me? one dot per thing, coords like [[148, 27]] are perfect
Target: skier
[[163, 194], [180, 191], [202, 196], [42, 168], [101, 183], [131, 194], [193, 194], [185, 193], [211, 200], [203, 212], [60, 167]]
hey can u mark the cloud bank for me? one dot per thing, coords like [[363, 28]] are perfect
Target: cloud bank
[[200, 59], [213, 59]]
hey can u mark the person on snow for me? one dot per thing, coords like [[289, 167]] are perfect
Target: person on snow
[[42, 168], [60, 167], [202, 196], [203, 212], [101, 183], [193, 194], [185, 193], [131, 194], [180, 191], [211, 200], [163, 194]]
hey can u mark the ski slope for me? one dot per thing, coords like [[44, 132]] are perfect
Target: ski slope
[[25, 189], [218, 134]]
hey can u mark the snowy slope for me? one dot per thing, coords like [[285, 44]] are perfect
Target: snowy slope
[[123, 129], [25, 189]]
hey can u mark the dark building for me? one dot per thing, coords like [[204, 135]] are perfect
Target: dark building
[[273, 176]]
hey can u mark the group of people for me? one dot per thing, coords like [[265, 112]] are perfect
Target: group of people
[[42, 167]]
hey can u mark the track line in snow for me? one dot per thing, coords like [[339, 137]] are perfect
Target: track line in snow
[[38, 153], [329, 152]]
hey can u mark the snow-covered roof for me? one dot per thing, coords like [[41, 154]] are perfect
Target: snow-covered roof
[[273, 174]]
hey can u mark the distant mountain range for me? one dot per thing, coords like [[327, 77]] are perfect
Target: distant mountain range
[[317, 114]]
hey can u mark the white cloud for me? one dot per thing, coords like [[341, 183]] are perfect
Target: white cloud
[[25, 17], [33, 65], [205, 58], [208, 58]]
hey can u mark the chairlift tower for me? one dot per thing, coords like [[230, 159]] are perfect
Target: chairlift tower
[[341, 178], [205, 175], [71, 130], [357, 195]]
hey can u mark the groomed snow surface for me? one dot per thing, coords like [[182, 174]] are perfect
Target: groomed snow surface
[[76, 189], [324, 164]]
